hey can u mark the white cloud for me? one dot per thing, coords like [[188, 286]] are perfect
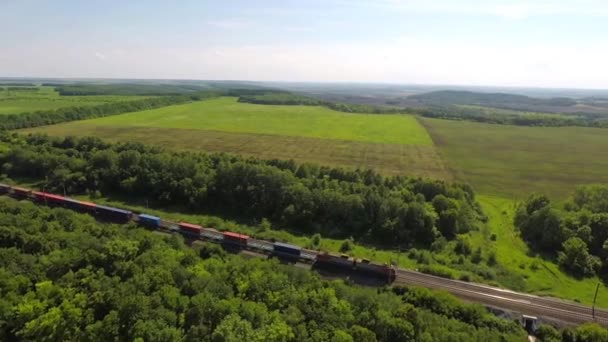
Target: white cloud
[[100, 55], [512, 9], [407, 60], [229, 24], [300, 29]]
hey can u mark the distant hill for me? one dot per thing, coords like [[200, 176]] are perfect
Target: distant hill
[[459, 97]]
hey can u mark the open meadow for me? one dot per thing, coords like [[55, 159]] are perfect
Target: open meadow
[[227, 115], [513, 161], [393, 144], [46, 98]]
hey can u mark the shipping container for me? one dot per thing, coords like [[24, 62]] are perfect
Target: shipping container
[[149, 220], [111, 213], [189, 228], [20, 192], [342, 261], [48, 199], [235, 238], [287, 249], [79, 205], [4, 188]]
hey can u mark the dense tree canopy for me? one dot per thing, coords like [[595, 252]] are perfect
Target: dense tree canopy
[[65, 277], [577, 232], [312, 199]]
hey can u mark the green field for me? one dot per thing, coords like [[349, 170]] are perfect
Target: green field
[[17, 102], [513, 161], [526, 271], [227, 115], [393, 144]]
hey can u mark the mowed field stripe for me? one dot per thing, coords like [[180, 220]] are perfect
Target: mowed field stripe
[[392, 159]]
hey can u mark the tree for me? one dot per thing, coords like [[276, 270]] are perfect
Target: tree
[[547, 333], [346, 246], [575, 258], [361, 334], [233, 329]]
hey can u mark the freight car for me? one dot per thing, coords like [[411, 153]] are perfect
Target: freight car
[[80, 206], [342, 262], [113, 214], [285, 250], [49, 199], [189, 229], [4, 189], [212, 234], [20, 192], [149, 220], [235, 239]]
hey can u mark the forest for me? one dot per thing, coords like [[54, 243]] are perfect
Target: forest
[[286, 98], [66, 277], [442, 108], [513, 117], [498, 100], [575, 233], [364, 205]]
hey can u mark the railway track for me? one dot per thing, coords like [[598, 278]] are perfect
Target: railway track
[[545, 307]]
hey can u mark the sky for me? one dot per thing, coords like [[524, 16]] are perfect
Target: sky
[[534, 43]]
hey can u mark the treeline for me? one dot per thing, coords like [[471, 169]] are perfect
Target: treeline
[[20, 88], [66, 277], [335, 202], [286, 98], [501, 100], [16, 84], [576, 233], [447, 112], [50, 117], [129, 89], [511, 117]]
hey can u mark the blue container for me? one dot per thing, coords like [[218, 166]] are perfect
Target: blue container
[[288, 249], [4, 188], [149, 220]]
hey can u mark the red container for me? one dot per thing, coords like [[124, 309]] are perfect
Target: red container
[[190, 228], [236, 238]]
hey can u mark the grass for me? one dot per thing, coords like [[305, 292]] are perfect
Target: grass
[[502, 162], [415, 160], [17, 102], [301, 133], [525, 271], [227, 115], [513, 161]]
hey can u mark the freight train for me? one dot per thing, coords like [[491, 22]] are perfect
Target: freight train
[[193, 231]]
